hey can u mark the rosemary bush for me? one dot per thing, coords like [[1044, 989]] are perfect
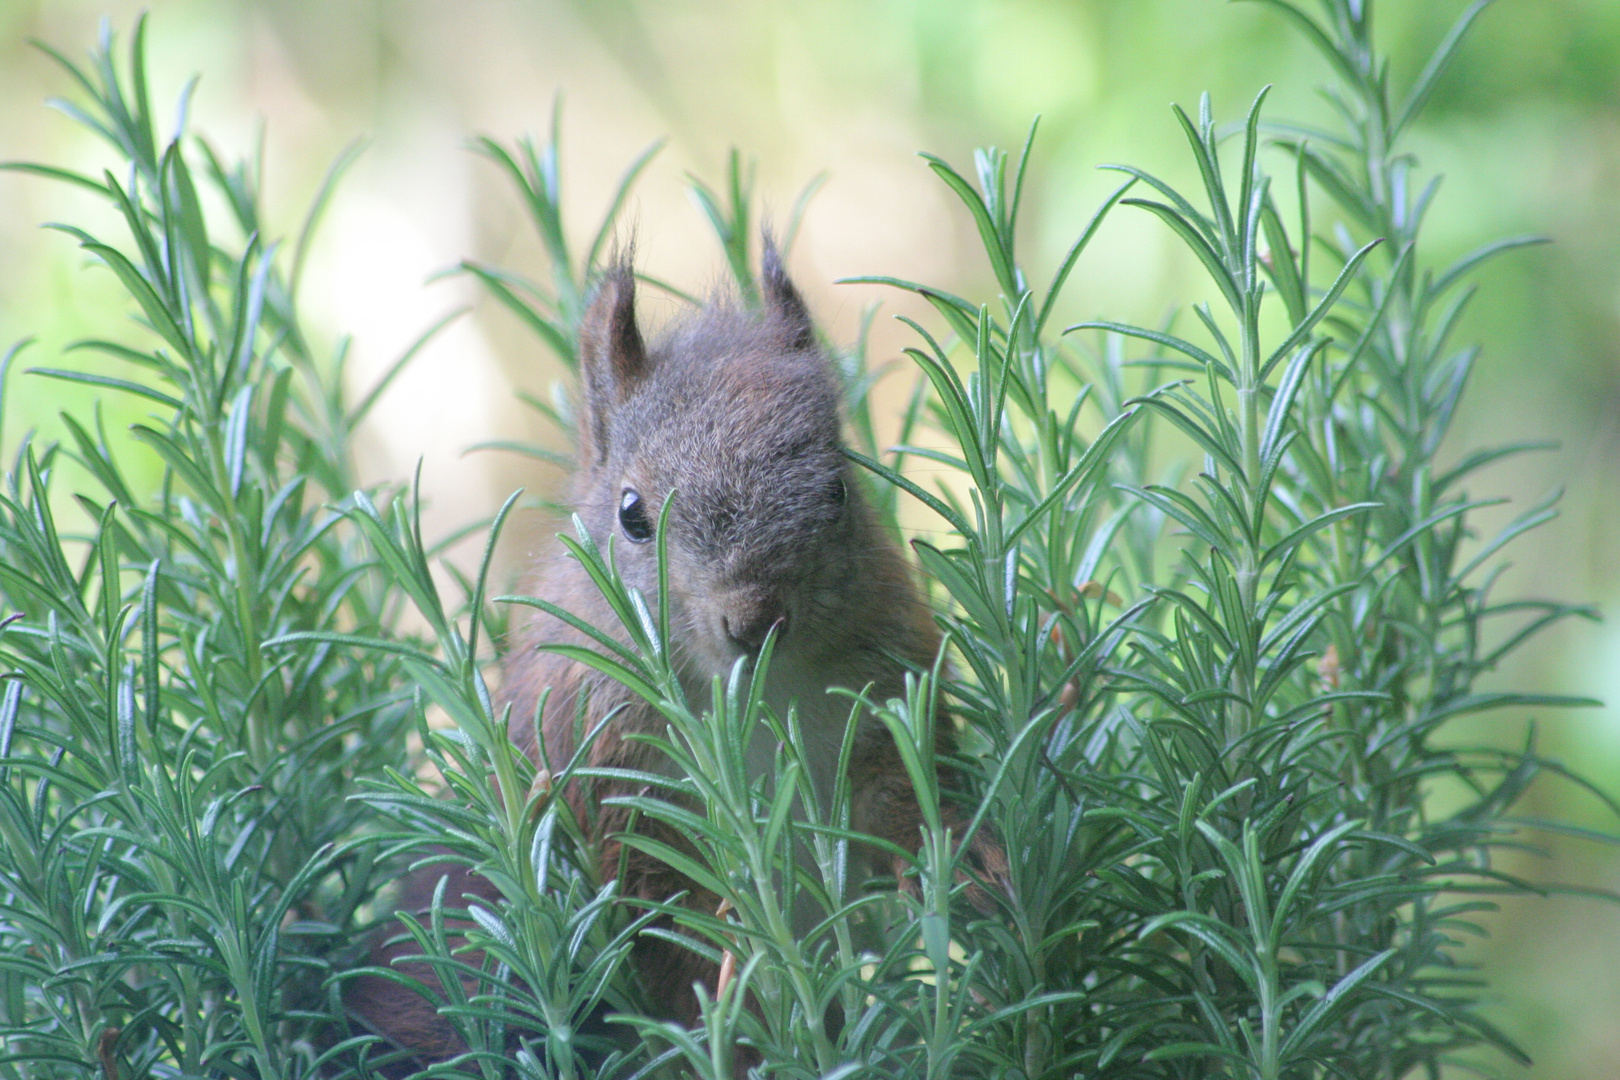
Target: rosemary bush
[[1201, 707]]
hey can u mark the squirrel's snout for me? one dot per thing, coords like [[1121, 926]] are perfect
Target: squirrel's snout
[[747, 619]]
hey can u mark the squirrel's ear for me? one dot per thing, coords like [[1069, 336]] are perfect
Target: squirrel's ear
[[782, 299], [612, 357]]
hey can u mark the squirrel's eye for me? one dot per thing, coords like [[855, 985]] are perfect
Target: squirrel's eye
[[633, 518], [838, 492]]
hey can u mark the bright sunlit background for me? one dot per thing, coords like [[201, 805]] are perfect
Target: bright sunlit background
[[1526, 129]]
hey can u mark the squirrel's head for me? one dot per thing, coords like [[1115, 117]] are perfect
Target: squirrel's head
[[736, 413]]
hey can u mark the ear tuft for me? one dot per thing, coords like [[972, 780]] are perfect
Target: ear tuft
[[782, 299], [612, 356]]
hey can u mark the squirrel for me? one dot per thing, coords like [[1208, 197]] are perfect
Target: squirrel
[[736, 412]]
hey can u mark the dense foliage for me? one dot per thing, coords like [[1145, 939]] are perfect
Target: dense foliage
[[1200, 703]]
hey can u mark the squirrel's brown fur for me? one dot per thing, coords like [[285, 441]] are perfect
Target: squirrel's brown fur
[[737, 413]]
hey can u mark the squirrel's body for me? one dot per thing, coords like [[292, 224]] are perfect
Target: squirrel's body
[[735, 412]]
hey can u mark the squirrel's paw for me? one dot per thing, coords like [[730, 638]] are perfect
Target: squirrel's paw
[[984, 872]]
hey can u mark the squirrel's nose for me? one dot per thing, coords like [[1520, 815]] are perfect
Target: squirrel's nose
[[747, 619]]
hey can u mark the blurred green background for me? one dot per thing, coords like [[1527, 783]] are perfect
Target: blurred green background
[[1526, 129]]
